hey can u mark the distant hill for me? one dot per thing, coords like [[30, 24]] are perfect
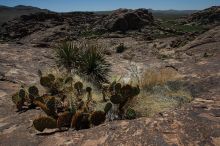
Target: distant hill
[[8, 13], [171, 14], [162, 14]]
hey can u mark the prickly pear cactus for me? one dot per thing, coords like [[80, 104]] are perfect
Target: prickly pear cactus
[[51, 103], [44, 107], [97, 118], [51, 77], [116, 99], [117, 88], [64, 119], [22, 93], [126, 91], [33, 93], [45, 81], [19, 99], [44, 122], [80, 121], [78, 86], [108, 106]]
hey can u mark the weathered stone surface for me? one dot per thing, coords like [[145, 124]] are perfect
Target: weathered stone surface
[[207, 16], [197, 123], [123, 19]]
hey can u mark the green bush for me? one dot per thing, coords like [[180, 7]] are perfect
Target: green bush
[[68, 55], [86, 59], [94, 65]]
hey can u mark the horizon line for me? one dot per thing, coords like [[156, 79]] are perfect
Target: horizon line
[[109, 9]]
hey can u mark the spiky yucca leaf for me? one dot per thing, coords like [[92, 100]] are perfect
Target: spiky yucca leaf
[[94, 65], [44, 122], [67, 54]]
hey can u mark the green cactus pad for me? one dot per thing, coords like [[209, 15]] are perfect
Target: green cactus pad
[[116, 99], [51, 103], [44, 107], [97, 118], [61, 80], [118, 88], [78, 85], [51, 77], [45, 81], [135, 91], [126, 91], [88, 89], [40, 99], [80, 121], [108, 106], [44, 122], [64, 119], [22, 93], [33, 90], [130, 114]]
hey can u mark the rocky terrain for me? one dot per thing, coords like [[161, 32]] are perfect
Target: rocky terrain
[[207, 16], [8, 13], [26, 47]]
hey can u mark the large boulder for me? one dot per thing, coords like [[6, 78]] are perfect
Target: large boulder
[[124, 19]]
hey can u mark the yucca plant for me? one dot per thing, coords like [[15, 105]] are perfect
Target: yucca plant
[[68, 55], [94, 65], [86, 59]]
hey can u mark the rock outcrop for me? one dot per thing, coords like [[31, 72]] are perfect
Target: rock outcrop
[[207, 16], [124, 19]]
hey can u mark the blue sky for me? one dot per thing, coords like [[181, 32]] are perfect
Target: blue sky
[[99, 5]]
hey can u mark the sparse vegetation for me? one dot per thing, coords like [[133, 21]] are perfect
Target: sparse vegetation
[[72, 103], [69, 107], [160, 91], [86, 59]]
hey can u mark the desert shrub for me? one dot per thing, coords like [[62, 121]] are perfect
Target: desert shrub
[[121, 48], [86, 59]]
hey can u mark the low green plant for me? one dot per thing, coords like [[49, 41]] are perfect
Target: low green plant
[[67, 54], [86, 59], [94, 65]]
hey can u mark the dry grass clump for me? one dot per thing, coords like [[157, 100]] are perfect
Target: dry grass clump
[[148, 104], [152, 77], [160, 91]]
